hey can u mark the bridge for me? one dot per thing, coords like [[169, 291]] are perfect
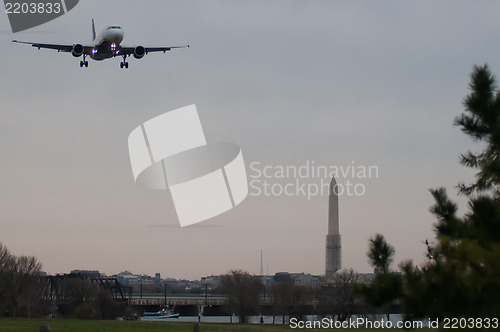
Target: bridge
[[207, 306], [65, 289], [158, 300]]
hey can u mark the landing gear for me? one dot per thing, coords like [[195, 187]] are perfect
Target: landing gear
[[124, 63], [84, 62]]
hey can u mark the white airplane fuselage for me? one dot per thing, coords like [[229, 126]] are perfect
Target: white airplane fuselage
[[107, 44]]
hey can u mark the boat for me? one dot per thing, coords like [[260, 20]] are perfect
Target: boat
[[162, 314]]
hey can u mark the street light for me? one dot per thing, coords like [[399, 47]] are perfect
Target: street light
[[165, 293], [204, 281]]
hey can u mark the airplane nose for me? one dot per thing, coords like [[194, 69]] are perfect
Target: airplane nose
[[117, 36]]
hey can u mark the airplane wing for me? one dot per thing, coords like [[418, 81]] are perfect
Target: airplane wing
[[57, 47], [131, 49]]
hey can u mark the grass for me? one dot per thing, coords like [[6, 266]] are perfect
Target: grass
[[73, 325]]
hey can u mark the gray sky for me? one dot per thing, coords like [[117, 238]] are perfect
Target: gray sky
[[377, 83]]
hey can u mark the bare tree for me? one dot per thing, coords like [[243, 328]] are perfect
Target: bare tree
[[6, 260], [283, 295], [21, 277], [338, 294], [5, 256], [242, 290], [32, 294]]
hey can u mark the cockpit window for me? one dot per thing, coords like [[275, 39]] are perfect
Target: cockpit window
[[113, 27]]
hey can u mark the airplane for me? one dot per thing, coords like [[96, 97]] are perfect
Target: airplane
[[105, 46]]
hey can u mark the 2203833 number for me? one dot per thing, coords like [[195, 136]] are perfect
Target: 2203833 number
[[32, 8], [462, 323]]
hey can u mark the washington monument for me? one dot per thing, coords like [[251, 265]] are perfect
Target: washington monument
[[333, 242]]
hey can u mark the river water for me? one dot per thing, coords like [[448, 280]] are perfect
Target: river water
[[394, 319]]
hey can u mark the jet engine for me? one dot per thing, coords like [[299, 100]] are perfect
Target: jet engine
[[77, 50], [139, 52]]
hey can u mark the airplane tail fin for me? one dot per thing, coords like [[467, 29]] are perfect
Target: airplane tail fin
[[93, 30]]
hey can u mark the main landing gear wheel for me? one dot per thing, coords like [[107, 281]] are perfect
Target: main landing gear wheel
[[84, 62], [124, 63]]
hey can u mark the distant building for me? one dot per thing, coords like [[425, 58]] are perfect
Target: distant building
[[299, 279], [86, 273], [210, 283]]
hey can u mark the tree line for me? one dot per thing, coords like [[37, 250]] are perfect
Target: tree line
[[21, 285], [335, 297]]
